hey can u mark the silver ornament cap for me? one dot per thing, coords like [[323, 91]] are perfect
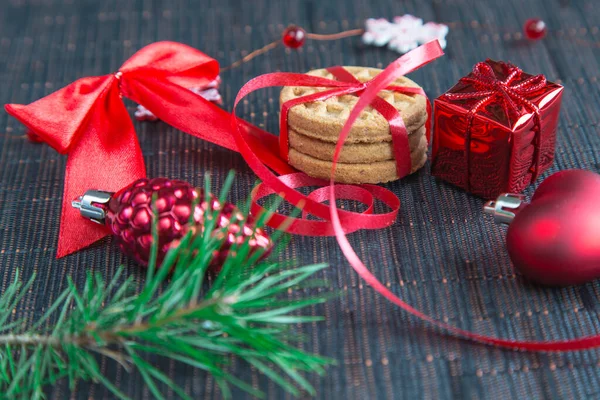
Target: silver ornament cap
[[88, 205], [505, 207]]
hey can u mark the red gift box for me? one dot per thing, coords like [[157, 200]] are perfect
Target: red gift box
[[495, 130]]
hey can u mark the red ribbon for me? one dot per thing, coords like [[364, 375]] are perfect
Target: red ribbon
[[510, 95], [343, 222], [88, 121]]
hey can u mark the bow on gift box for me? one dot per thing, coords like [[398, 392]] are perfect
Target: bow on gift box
[[509, 94]]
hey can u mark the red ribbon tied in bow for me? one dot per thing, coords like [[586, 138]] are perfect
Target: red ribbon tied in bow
[[509, 94], [88, 121], [312, 204], [398, 130]]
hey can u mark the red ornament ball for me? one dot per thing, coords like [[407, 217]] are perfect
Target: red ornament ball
[[293, 37], [129, 216], [555, 240], [535, 29]]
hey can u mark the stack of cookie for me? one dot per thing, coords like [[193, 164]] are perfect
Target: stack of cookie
[[367, 155]]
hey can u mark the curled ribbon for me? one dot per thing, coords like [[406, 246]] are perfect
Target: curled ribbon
[[510, 94], [88, 121], [285, 185], [341, 220]]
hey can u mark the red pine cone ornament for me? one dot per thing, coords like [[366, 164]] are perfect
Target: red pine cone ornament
[[128, 214]]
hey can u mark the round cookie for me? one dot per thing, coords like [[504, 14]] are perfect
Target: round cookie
[[357, 173], [324, 119], [353, 152], [355, 139]]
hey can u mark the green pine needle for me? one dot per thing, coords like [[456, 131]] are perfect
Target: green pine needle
[[245, 313]]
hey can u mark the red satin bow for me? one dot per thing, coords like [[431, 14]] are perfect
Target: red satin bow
[[88, 121], [511, 96]]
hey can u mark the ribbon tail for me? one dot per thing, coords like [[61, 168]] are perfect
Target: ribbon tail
[[75, 231], [60, 118], [107, 157], [189, 112]]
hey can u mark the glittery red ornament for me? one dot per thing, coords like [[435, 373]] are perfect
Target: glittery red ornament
[[535, 29], [128, 214], [555, 239], [293, 37]]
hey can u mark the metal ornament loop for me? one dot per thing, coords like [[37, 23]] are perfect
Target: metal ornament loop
[[504, 207], [87, 205]]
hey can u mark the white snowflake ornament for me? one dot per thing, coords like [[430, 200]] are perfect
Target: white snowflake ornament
[[431, 31], [378, 32], [405, 33]]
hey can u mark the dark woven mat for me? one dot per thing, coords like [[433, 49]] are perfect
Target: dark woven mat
[[442, 255]]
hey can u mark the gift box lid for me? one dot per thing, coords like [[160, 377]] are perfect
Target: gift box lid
[[504, 108]]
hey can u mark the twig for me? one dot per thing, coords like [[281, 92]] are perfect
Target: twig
[[253, 54], [275, 43]]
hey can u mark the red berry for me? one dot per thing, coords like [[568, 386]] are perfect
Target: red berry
[[293, 37], [535, 29]]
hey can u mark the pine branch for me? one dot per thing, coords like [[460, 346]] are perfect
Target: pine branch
[[244, 313]]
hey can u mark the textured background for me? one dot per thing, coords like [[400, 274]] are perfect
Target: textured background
[[442, 255]]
